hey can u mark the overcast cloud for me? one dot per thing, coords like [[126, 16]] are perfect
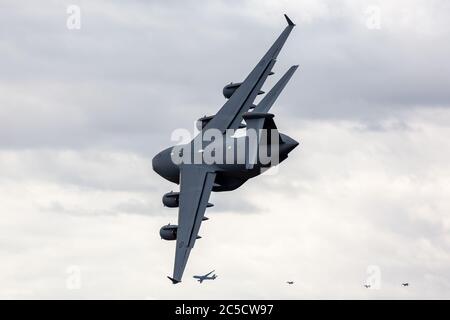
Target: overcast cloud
[[82, 112]]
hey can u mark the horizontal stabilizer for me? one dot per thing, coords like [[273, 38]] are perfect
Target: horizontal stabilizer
[[269, 99]]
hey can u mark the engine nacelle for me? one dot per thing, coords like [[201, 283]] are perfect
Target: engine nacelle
[[201, 123], [171, 199], [229, 89], [169, 232]]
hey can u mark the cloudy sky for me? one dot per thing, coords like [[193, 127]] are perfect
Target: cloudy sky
[[364, 199]]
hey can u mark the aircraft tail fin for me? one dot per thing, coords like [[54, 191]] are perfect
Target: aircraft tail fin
[[255, 122]]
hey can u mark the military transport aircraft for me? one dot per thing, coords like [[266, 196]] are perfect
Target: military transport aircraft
[[205, 277], [187, 164]]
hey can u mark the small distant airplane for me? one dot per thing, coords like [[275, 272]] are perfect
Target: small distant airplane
[[206, 277], [367, 286], [405, 284], [290, 282]]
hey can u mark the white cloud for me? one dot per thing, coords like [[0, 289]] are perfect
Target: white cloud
[[349, 197]]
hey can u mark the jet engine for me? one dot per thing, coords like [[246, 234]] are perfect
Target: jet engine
[[229, 89], [170, 199], [168, 232]]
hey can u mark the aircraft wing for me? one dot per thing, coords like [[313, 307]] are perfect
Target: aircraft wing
[[230, 115], [208, 273], [196, 182]]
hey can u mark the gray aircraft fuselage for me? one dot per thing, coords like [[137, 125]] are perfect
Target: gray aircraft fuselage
[[230, 176]]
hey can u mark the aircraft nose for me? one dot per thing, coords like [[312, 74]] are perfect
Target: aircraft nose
[[164, 166], [157, 163]]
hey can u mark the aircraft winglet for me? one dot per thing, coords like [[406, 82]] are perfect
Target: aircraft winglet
[[174, 281], [289, 21]]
